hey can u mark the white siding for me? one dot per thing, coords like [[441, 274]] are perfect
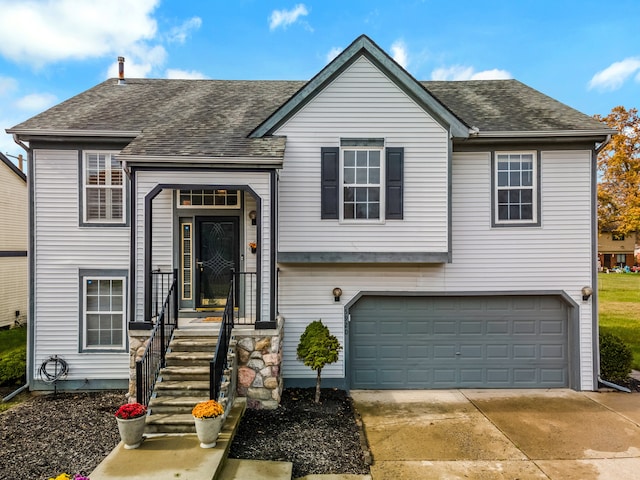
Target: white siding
[[362, 102], [163, 221], [13, 237], [62, 249], [553, 257]]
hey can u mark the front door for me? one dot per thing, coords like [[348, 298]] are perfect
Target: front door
[[217, 254]]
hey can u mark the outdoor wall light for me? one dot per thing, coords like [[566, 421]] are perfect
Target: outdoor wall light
[[586, 293], [337, 293], [252, 216]]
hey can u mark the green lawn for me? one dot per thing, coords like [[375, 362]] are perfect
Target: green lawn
[[13, 344], [619, 309]]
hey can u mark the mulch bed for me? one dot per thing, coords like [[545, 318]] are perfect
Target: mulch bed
[[317, 438]]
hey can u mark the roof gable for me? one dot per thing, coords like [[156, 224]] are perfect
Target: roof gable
[[364, 46], [19, 173]]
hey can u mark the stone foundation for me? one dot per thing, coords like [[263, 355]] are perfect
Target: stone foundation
[[259, 356]]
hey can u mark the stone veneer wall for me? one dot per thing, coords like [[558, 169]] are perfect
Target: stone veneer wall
[[138, 340], [259, 355]]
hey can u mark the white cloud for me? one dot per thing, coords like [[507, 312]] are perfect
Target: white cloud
[[460, 72], [73, 29], [284, 18], [612, 77], [36, 102], [399, 53], [176, 73], [7, 85], [180, 34], [333, 53]]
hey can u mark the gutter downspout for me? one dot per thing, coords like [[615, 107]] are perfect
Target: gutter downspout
[[613, 385], [30, 269], [18, 391], [603, 144]]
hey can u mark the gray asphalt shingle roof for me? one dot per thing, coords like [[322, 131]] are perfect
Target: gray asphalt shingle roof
[[508, 106], [213, 118]]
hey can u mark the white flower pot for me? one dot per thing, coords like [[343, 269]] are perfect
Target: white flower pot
[[131, 431], [208, 430]]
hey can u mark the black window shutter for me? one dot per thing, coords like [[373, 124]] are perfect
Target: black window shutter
[[395, 179], [330, 163]]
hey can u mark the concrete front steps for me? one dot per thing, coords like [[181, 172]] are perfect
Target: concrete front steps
[[183, 382]]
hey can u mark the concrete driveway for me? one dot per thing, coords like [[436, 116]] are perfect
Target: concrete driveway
[[501, 434]]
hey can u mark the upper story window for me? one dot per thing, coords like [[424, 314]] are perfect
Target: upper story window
[[515, 188], [103, 188], [617, 237], [362, 181], [361, 176]]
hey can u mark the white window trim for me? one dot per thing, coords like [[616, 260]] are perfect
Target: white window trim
[[381, 185], [85, 346], [534, 189], [85, 209]]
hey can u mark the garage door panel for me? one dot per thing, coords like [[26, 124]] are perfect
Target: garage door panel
[[552, 327], [497, 327], [553, 352], [444, 327], [498, 352], [498, 376], [473, 376], [449, 342], [553, 375], [471, 352], [524, 327]]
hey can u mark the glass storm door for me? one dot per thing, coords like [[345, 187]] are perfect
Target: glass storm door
[[217, 253]]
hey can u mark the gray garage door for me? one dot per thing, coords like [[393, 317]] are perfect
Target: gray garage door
[[458, 342]]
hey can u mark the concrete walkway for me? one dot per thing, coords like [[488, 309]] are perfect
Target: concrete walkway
[[501, 434]]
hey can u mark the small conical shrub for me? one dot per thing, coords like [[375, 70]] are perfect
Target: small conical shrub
[[318, 348]]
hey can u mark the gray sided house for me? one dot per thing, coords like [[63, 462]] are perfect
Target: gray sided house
[[456, 218]]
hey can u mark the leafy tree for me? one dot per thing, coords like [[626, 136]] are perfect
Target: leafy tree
[[619, 174], [318, 348]]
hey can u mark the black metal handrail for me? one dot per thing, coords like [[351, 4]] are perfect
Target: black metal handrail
[[154, 356], [247, 301], [218, 363]]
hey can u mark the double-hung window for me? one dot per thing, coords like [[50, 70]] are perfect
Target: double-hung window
[[515, 188], [362, 180], [361, 192], [103, 188], [103, 312]]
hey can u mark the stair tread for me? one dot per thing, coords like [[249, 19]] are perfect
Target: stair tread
[[183, 385], [195, 340], [196, 333], [170, 418], [185, 370], [208, 355], [236, 469], [177, 400]]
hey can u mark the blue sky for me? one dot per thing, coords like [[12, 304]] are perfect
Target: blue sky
[[585, 53]]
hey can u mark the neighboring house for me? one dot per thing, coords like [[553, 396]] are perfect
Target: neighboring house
[[616, 249], [456, 218], [13, 243]]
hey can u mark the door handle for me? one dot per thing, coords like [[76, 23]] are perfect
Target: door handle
[[199, 265]]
